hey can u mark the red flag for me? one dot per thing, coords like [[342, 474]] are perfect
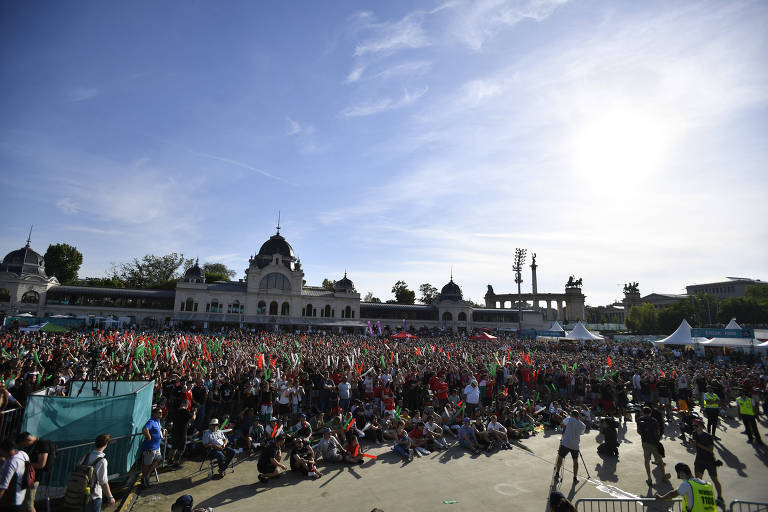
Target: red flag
[[610, 363], [662, 373]]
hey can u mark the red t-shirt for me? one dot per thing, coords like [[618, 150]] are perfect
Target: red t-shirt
[[442, 390], [389, 403], [416, 433]]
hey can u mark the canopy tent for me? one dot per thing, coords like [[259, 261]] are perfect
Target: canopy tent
[[557, 327], [733, 325], [580, 332], [728, 342], [682, 336], [404, 336], [483, 336], [762, 345]]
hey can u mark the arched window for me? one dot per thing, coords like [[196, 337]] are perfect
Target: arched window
[[31, 297], [5, 295], [285, 309], [308, 310], [188, 305], [462, 317], [273, 308], [327, 312], [447, 316], [275, 281], [261, 309], [347, 312]]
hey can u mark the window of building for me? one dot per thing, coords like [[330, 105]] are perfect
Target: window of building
[[273, 308], [347, 313], [462, 317], [261, 308], [308, 310], [285, 309], [275, 281], [31, 297], [327, 311], [447, 316], [5, 295]]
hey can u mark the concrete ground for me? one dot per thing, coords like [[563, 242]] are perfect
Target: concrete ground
[[517, 479]]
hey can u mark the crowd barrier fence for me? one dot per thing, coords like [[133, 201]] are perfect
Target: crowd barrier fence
[[627, 505]]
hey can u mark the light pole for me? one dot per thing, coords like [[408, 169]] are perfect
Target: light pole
[[518, 267]]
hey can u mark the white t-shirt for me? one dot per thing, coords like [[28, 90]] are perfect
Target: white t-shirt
[[344, 390], [496, 426], [473, 394], [572, 433], [14, 466], [99, 472]]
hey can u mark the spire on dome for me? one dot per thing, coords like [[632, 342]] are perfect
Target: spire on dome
[[29, 237]]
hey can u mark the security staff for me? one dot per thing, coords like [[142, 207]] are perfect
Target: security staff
[[747, 413], [711, 411], [698, 495]]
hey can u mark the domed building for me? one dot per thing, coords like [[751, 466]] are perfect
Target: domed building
[[451, 291], [194, 274], [23, 282]]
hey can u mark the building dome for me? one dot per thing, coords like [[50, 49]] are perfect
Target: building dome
[[194, 274], [24, 261], [344, 285], [276, 245], [451, 291]]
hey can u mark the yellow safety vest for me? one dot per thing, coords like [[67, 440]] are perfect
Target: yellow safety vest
[[710, 400], [745, 407], [703, 497]]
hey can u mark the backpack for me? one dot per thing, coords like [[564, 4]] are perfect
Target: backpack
[[28, 479], [80, 482]]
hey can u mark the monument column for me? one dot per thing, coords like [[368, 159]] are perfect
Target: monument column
[[533, 282], [559, 310]]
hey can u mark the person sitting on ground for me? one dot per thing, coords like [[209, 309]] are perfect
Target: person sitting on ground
[[402, 441], [329, 447], [185, 503], [274, 428], [257, 434], [217, 443], [302, 428], [374, 430], [269, 464], [434, 433], [353, 453], [696, 493], [418, 440], [468, 436], [483, 439], [303, 458], [498, 433], [559, 503]]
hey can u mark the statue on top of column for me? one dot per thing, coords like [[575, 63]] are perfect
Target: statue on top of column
[[490, 291], [533, 264], [573, 282], [631, 288]]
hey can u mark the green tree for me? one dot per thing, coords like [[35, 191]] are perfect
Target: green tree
[[328, 284], [706, 309], [670, 317], [63, 261], [102, 282], [152, 271], [402, 294], [370, 298], [428, 292], [746, 310], [219, 271], [642, 318]]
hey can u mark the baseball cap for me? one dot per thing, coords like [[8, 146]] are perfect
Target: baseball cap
[[214, 421], [466, 420], [326, 430], [272, 419]]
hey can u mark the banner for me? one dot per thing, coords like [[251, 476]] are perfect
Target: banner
[[723, 333]]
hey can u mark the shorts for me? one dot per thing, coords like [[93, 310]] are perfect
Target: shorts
[[699, 466], [651, 449], [564, 450], [150, 456]]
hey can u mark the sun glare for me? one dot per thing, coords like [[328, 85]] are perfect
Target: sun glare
[[620, 147]]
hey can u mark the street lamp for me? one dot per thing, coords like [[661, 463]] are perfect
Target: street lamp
[[518, 267]]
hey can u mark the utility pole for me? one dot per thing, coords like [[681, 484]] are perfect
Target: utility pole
[[518, 268]]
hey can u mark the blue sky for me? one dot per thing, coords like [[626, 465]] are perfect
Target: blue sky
[[619, 141]]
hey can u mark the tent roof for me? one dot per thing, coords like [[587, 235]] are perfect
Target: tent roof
[[557, 327], [733, 325], [580, 332], [728, 342], [682, 336]]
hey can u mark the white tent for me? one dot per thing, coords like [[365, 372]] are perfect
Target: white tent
[[762, 345], [580, 332], [682, 336], [733, 325], [557, 327], [729, 342]]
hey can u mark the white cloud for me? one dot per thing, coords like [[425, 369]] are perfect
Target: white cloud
[[83, 93], [477, 21], [383, 104], [355, 74], [66, 205], [391, 37], [296, 128]]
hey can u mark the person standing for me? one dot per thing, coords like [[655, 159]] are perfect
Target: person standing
[[698, 495], [151, 457], [711, 406], [650, 435], [573, 427], [705, 459], [100, 489], [12, 493], [345, 393], [747, 413], [38, 451]]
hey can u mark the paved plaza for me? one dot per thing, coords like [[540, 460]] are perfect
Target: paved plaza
[[517, 479]]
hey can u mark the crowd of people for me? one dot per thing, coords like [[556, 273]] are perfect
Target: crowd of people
[[320, 394]]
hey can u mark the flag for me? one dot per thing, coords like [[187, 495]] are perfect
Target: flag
[[610, 363], [370, 328], [378, 325]]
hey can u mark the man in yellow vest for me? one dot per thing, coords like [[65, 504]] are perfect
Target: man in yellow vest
[[711, 408], [698, 495], [747, 413]]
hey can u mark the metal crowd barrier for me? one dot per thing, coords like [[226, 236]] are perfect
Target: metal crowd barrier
[[748, 506], [10, 423], [628, 505]]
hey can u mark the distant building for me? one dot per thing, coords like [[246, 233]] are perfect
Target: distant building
[[733, 287]]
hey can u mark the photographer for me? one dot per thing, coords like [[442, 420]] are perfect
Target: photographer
[[609, 429], [573, 427]]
